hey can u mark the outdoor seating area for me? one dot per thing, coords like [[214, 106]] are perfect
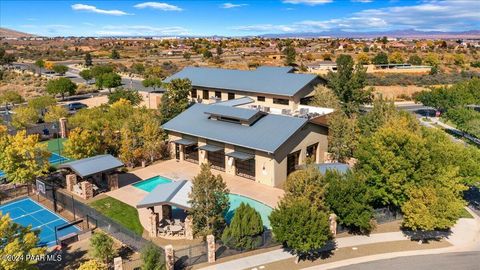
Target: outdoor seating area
[[171, 228]]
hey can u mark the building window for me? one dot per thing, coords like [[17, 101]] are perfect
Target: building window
[[293, 160], [205, 94], [191, 153], [218, 94], [194, 93], [312, 152], [217, 160], [231, 96], [260, 98], [281, 101], [245, 168]]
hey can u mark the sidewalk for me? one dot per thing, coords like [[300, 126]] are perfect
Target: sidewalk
[[465, 237]]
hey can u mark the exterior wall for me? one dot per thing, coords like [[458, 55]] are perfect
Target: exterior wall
[[265, 168]]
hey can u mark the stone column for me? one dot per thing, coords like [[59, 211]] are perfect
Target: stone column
[[63, 127], [169, 257], [189, 227], [182, 152], [118, 263], [113, 181], [87, 190], [333, 224], [153, 231], [211, 248], [229, 161], [166, 211], [71, 180]]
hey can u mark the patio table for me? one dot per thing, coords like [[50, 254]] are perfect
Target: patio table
[[175, 228]]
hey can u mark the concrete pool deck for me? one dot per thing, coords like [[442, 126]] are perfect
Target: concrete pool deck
[[185, 170]]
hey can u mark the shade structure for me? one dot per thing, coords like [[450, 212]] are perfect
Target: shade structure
[[210, 148], [174, 193], [240, 155], [185, 142], [93, 165]]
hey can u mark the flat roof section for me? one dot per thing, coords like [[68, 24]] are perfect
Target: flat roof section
[[241, 114], [240, 155], [185, 142], [210, 148]]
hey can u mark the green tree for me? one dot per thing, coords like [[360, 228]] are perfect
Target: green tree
[[54, 113], [88, 60], [86, 74], [154, 82], [40, 64], [414, 59], [60, 69], [10, 97], [131, 95], [348, 197], [219, 50], [24, 158], [245, 230], [6, 58], [363, 59], [138, 68], [175, 99], [380, 59], [209, 202], [82, 143], [301, 227], [61, 86], [382, 112], [396, 58], [115, 54], [18, 242], [108, 80], [93, 265], [24, 117], [290, 55], [41, 103], [187, 55], [152, 258], [101, 247], [99, 70], [325, 97], [348, 84], [343, 136], [207, 54], [432, 59], [308, 183]]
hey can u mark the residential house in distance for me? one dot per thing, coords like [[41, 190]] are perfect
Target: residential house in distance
[[269, 87], [250, 143]]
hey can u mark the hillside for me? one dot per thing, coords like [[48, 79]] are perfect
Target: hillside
[[9, 33]]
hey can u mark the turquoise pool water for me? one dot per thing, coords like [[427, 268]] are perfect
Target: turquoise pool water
[[235, 200], [149, 184]]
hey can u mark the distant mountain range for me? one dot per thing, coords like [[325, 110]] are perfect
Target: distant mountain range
[[408, 33], [9, 33]]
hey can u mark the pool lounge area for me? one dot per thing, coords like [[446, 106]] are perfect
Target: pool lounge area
[[264, 210]]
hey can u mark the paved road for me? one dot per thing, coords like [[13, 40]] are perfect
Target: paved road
[[448, 261]]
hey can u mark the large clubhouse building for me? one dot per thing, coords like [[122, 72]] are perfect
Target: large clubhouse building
[[269, 87]]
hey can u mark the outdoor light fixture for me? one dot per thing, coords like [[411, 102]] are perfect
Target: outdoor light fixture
[[264, 169]]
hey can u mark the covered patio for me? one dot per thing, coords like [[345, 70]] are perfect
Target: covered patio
[[168, 205], [91, 176]]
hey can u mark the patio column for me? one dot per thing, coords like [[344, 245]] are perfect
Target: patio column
[[112, 181], [229, 161], [169, 257], [211, 248], [63, 127], [153, 222], [118, 263], [71, 180], [87, 190], [189, 227]]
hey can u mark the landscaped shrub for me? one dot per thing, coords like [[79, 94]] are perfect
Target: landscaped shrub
[[152, 258], [102, 247], [245, 230]]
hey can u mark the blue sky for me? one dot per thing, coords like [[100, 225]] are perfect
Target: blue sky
[[235, 17]]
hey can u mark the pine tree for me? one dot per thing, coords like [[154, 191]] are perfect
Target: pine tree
[[245, 230]]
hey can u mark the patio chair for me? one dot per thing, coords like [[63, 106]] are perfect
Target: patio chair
[[161, 231]]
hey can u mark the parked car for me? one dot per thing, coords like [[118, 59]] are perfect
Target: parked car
[[75, 106]]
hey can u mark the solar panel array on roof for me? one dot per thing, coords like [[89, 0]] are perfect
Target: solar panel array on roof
[[268, 80]]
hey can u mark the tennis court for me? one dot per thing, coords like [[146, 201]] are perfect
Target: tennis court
[[28, 212], [54, 159]]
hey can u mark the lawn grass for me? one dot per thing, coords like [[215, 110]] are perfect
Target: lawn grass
[[121, 212], [465, 214]]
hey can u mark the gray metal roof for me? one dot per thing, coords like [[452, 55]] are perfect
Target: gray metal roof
[[92, 165], [210, 148], [185, 142], [236, 102], [257, 136], [174, 193], [268, 80], [232, 112], [240, 155]]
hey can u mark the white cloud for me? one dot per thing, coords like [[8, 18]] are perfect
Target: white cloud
[[158, 5], [94, 9], [230, 5], [449, 15], [308, 2], [141, 30], [362, 1]]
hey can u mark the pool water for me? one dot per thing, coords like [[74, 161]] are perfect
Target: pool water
[[235, 200], [151, 183]]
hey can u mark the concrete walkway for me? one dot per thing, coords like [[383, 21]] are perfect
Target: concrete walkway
[[465, 237]]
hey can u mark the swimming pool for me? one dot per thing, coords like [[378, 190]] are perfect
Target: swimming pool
[[151, 183], [235, 200], [28, 212]]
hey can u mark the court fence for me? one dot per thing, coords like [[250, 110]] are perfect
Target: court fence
[[14, 192]]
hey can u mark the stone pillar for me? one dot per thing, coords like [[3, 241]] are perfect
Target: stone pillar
[[182, 152], [63, 127], [113, 181], [166, 211], [169, 257], [333, 223], [202, 154], [87, 190], [211, 248], [229, 161], [153, 218], [118, 263], [71, 180], [189, 227]]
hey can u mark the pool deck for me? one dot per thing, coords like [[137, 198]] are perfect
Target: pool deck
[[185, 170]]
